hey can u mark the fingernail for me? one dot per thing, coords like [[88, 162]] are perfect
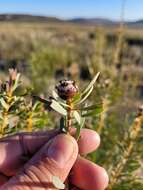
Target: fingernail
[[61, 149]]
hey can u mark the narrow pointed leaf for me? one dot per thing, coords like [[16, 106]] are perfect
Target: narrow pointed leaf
[[88, 89], [58, 183], [35, 106], [97, 111], [55, 95], [91, 83], [16, 82], [58, 108], [76, 98], [86, 95], [42, 100], [1, 117], [4, 104], [79, 127], [92, 107], [63, 104], [77, 117]]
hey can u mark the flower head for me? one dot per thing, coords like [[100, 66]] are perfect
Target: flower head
[[67, 89], [13, 74]]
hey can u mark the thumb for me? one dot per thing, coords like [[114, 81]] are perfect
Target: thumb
[[56, 158]]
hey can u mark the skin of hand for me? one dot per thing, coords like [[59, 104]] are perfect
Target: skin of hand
[[28, 161]]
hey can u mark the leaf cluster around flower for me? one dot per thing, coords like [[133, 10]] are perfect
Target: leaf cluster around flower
[[69, 99]]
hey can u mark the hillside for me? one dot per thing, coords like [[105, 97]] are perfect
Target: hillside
[[85, 21], [27, 18]]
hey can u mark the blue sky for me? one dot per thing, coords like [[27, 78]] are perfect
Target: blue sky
[[75, 8]]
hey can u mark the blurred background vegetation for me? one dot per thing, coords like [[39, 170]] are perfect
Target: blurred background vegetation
[[45, 52]]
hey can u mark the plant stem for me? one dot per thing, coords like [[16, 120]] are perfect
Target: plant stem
[[69, 122], [69, 109], [120, 36], [103, 115], [30, 123], [4, 124], [134, 133]]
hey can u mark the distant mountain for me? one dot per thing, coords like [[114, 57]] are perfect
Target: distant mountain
[[27, 18], [85, 21], [105, 22], [93, 21], [138, 23]]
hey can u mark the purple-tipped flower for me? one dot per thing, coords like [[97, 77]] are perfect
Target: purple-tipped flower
[[67, 89], [140, 110], [13, 74]]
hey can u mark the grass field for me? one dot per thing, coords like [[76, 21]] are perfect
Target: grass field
[[47, 52]]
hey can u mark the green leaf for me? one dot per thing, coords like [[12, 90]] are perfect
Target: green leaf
[[58, 108], [16, 82], [133, 167], [91, 83], [64, 104], [79, 127], [76, 98], [97, 111], [77, 117], [91, 107], [60, 101], [1, 117], [88, 89], [35, 106], [55, 95], [48, 102], [4, 104], [58, 183], [86, 95]]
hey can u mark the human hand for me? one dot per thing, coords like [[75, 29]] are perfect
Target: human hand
[[50, 154]]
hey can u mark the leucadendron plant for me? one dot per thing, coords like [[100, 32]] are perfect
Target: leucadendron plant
[[71, 104], [18, 112]]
